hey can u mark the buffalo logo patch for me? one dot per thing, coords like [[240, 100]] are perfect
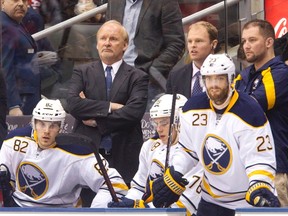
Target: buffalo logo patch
[[32, 180], [217, 155]]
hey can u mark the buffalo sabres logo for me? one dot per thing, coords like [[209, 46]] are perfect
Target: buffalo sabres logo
[[255, 84], [32, 180], [157, 170], [217, 155]]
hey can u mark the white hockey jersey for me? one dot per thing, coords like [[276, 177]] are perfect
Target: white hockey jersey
[[54, 177], [236, 148], [151, 166]]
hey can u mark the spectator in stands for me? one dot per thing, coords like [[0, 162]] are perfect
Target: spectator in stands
[[3, 108], [18, 49], [156, 37], [266, 81], [201, 41], [110, 111]]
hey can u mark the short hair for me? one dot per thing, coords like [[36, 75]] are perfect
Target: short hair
[[265, 27], [211, 29], [123, 30]]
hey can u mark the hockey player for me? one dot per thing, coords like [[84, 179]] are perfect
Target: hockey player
[[229, 134], [153, 156], [48, 174]]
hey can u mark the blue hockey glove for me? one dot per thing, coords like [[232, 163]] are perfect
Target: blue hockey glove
[[128, 203], [165, 190], [259, 195]]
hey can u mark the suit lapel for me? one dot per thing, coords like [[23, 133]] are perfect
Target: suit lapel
[[119, 79], [143, 10], [120, 6], [27, 35], [100, 82], [188, 74]]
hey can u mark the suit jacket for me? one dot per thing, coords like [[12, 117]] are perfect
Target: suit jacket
[[3, 109], [129, 87], [22, 81], [159, 37], [180, 81]]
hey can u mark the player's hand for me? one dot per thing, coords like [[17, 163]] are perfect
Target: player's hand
[[90, 122], [259, 195], [15, 112], [83, 6], [44, 58], [128, 203], [165, 190]]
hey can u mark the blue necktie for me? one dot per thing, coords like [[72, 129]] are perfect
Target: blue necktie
[[197, 88], [108, 80], [106, 141]]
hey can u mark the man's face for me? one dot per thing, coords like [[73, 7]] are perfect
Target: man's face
[[254, 44], [161, 125], [217, 88], [111, 43], [16, 9], [46, 132], [199, 44]]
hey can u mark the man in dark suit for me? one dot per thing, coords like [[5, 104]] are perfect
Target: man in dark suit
[[114, 117], [202, 40], [156, 37], [18, 49], [3, 109]]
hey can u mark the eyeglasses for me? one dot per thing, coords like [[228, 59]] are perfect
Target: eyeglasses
[[161, 123]]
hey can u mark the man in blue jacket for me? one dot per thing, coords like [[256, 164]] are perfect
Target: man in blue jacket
[[266, 81], [18, 49]]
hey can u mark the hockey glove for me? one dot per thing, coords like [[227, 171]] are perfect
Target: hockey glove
[[259, 195], [5, 186], [128, 203], [165, 190]]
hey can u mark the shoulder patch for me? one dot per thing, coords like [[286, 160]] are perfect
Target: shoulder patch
[[249, 110], [200, 101]]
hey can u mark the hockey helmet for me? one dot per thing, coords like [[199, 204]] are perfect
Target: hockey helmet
[[49, 110], [163, 106], [218, 64]]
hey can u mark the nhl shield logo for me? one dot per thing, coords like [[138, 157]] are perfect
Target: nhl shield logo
[[217, 155], [32, 180]]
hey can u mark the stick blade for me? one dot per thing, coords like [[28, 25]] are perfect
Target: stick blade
[[76, 141]]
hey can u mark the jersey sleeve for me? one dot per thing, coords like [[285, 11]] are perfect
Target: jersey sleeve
[[257, 152], [92, 177], [138, 182], [185, 151]]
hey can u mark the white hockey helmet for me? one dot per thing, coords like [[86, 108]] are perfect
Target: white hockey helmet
[[49, 110], [218, 64], [163, 106]]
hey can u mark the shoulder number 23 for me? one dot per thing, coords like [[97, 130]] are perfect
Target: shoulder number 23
[[264, 143], [199, 119]]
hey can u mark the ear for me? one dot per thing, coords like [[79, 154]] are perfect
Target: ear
[[214, 44], [125, 47], [269, 42]]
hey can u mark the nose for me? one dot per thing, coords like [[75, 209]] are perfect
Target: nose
[[107, 42], [21, 2]]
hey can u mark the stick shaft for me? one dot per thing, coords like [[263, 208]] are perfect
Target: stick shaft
[[169, 143]]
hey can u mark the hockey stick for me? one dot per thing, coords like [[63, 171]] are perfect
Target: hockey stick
[[169, 143], [80, 140]]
